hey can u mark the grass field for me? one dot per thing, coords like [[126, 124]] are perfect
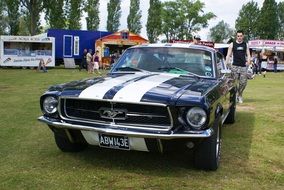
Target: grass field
[[252, 150]]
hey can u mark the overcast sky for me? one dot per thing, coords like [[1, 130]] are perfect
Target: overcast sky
[[226, 10]]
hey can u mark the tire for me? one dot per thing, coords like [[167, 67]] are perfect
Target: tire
[[65, 145], [231, 117], [207, 154]]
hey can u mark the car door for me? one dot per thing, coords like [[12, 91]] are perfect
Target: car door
[[225, 83]]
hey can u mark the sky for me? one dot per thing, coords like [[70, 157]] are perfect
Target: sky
[[227, 10]]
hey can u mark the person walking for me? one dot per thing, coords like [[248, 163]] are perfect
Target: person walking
[[259, 60], [275, 61], [89, 61], [96, 62], [241, 60], [83, 63]]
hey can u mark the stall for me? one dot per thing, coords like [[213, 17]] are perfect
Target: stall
[[69, 44], [26, 51], [112, 46], [269, 48]]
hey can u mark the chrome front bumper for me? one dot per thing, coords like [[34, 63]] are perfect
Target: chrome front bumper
[[170, 135]]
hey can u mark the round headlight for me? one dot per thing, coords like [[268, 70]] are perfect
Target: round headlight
[[196, 117], [50, 105]]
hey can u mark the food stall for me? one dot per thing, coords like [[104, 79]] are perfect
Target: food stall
[[112, 46], [268, 49], [26, 51]]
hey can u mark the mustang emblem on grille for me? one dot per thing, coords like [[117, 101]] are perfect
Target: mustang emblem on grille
[[109, 113]]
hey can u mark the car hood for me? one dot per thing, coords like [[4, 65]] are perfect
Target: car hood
[[139, 87]]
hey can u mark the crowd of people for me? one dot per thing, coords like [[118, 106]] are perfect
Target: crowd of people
[[259, 58], [92, 62]]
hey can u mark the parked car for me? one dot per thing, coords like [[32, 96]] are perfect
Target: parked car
[[156, 96]]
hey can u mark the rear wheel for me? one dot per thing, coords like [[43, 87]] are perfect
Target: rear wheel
[[207, 154], [64, 144]]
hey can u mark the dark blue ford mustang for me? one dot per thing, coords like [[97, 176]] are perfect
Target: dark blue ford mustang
[[154, 97]]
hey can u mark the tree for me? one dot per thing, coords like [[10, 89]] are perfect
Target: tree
[[281, 20], [13, 15], [248, 20], [182, 18], [171, 29], [23, 28], [73, 11], [114, 14], [221, 32], [268, 23], [3, 18], [93, 19], [194, 18], [154, 22], [32, 10], [55, 14], [133, 19]]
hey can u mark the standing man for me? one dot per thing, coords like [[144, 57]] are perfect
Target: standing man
[[89, 57], [83, 63], [241, 59], [275, 61]]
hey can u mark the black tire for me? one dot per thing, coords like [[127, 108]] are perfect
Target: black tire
[[65, 145], [207, 154], [231, 117]]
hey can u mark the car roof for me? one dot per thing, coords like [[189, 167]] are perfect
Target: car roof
[[177, 45]]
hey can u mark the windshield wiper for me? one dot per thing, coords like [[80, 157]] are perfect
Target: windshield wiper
[[192, 74], [187, 73], [171, 68], [129, 69]]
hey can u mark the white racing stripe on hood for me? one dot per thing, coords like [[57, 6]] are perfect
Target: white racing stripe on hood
[[136, 90], [98, 90]]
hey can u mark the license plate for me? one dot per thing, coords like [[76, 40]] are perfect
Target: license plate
[[115, 142]]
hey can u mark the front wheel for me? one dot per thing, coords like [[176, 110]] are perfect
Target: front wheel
[[207, 154], [65, 145]]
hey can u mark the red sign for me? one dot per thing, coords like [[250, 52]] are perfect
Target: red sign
[[204, 43], [269, 43]]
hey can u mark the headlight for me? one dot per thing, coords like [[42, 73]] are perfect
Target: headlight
[[50, 105], [196, 117]]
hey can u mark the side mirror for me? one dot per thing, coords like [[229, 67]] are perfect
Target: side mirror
[[226, 71]]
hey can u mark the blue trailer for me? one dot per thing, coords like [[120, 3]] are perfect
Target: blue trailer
[[71, 43]]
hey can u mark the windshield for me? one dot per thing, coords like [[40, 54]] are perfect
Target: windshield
[[166, 59]]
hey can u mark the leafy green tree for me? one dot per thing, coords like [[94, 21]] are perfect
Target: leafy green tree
[[268, 23], [73, 12], [93, 19], [13, 14], [3, 18], [281, 20], [114, 14], [182, 18], [133, 19], [154, 22], [221, 32], [32, 10], [170, 29], [23, 28], [193, 16], [248, 20], [55, 13]]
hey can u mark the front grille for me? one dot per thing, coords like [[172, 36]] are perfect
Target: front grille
[[141, 115]]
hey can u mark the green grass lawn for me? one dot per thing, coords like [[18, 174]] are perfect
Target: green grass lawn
[[252, 150]]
